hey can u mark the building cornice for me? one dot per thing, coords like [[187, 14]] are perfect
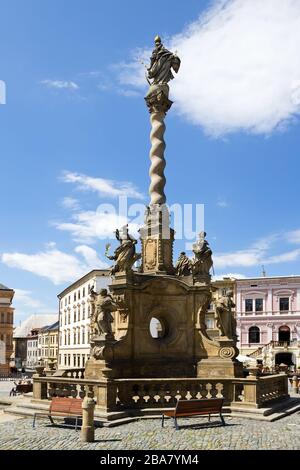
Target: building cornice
[[82, 280]]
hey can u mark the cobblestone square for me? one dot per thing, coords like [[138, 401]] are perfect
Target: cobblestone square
[[147, 434]]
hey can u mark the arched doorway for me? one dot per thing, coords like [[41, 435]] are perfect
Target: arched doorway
[[254, 334], [284, 358], [284, 334]]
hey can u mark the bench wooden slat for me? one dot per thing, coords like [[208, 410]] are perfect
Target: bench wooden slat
[[195, 408], [63, 407], [202, 404]]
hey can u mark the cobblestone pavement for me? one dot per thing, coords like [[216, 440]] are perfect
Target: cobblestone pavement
[[148, 434]]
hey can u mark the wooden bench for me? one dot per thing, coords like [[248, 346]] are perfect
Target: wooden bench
[[64, 408], [189, 408]]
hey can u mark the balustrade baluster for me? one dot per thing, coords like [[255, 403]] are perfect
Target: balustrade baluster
[[219, 389], [208, 388]]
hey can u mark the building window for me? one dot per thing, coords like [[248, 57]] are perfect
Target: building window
[[69, 299], [259, 305], [83, 312], [249, 305], [254, 334], [2, 317], [83, 292], [74, 296], [78, 314], [74, 337], [79, 295], [83, 336], [284, 304]]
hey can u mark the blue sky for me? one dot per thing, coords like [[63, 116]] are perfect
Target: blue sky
[[74, 132]]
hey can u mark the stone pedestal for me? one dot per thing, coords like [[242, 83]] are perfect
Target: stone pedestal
[[157, 241], [39, 388], [102, 353], [183, 349], [217, 367]]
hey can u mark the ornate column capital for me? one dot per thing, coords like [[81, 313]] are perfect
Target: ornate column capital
[[157, 98]]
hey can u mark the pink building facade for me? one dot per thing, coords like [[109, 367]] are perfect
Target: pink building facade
[[268, 318]]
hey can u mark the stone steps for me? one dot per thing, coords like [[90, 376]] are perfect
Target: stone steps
[[274, 412], [271, 413]]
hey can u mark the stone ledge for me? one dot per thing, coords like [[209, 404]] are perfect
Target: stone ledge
[[271, 413]]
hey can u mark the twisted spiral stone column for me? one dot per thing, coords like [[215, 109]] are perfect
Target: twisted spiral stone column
[[158, 162], [157, 236]]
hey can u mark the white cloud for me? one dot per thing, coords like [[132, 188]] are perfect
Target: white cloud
[[23, 298], [240, 67], [293, 236], [238, 258], [220, 277], [128, 93], [283, 257], [55, 265], [257, 254], [222, 203], [102, 186], [60, 84], [90, 226], [70, 203], [90, 256]]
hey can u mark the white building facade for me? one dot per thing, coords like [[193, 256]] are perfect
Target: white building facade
[[32, 350], [74, 319], [268, 319]]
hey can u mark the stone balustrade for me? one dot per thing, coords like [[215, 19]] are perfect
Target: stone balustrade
[[73, 373], [126, 394], [272, 387]]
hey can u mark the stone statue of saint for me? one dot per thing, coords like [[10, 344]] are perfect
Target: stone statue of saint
[[161, 64], [125, 255], [183, 266], [159, 73], [102, 318], [202, 262], [224, 316]]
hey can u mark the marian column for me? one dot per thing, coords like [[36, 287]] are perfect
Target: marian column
[[157, 236]]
